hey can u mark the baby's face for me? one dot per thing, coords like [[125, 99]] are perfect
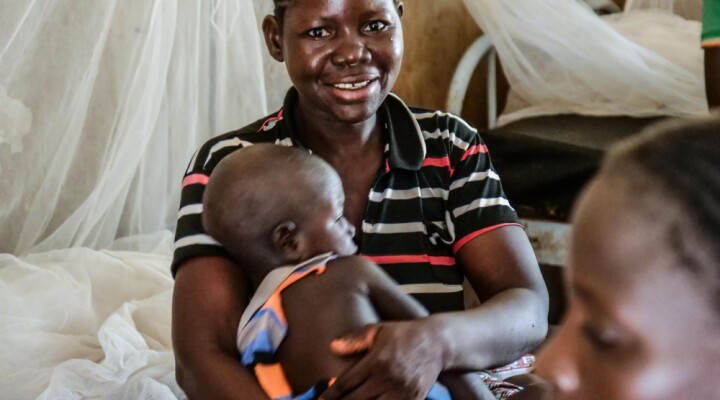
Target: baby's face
[[638, 326], [327, 229]]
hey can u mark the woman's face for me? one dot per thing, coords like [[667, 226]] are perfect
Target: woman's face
[[343, 56], [638, 326]]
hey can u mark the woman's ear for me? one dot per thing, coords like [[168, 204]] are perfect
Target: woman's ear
[[273, 37], [287, 241], [400, 7]]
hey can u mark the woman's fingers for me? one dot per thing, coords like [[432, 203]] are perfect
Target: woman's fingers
[[355, 342]]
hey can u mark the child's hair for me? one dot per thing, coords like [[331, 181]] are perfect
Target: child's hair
[[679, 162], [256, 188], [282, 5]]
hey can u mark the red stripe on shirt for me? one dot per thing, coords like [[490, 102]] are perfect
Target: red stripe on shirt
[[438, 162], [195, 179], [278, 117], [480, 148], [412, 258], [463, 241]]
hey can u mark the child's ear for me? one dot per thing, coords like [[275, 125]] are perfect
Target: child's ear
[[273, 37], [286, 239]]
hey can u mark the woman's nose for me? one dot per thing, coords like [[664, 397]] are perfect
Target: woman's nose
[[350, 51], [557, 364]]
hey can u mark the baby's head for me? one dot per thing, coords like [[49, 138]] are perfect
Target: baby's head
[[644, 273], [273, 205]]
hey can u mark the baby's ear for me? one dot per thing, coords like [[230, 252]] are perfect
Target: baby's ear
[[287, 241]]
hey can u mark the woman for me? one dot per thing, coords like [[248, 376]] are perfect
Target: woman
[[420, 190]]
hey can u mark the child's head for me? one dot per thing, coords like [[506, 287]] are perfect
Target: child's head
[[342, 56], [272, 205], [644, 273]]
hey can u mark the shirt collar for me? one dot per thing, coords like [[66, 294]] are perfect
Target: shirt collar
[[404, 138]]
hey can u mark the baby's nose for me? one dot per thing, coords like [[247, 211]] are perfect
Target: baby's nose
[[351, 229]]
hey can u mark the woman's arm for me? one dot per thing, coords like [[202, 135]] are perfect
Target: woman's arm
[[501, 267], [512, 320], [210, 295]]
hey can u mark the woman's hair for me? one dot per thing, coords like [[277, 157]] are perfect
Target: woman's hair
[[680, 162], [282, 5]]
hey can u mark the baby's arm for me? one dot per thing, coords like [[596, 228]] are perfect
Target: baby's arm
[[392, 304]]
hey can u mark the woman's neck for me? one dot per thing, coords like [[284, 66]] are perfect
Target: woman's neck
[[331, 139]]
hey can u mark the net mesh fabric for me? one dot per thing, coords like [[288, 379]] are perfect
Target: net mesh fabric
[[560, 57], [101, 106], [119, 95]]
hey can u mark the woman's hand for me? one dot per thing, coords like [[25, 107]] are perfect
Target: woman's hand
[[403, 361]]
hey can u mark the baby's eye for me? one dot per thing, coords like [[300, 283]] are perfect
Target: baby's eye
[[601, 339], [317, 33], [375, 26]]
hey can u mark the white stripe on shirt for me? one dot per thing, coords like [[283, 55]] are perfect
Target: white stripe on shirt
[[445, 134], [420, 288], [481, 203], [190, 209], [427, 115], [284, 142], [425, 193], [410, 227], [234, 142], [196, 239], [475, 177]]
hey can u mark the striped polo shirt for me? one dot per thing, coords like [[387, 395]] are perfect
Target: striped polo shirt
[[437, 190]]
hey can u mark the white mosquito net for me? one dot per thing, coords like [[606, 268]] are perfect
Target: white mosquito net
[[102, 104], [560, 57]]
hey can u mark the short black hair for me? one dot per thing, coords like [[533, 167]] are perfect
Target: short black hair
[[282, 5]]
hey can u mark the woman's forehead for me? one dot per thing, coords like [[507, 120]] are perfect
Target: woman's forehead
[[340, 6]]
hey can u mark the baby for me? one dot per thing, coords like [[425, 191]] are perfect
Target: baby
[[279, 212], [644, 273]]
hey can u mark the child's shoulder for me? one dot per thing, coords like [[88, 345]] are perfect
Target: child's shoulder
[[356, 267]]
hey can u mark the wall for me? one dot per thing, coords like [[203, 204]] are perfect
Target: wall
[[437, 33]]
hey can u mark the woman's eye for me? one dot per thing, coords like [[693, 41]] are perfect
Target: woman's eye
[[375, 26], [601, 339], [317, 33]]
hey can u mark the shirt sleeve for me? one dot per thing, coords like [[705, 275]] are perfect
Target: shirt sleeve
[[476, 201], [711, 24], [191, 240]]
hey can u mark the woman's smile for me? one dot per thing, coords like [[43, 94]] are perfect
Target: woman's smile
[[355, 91]]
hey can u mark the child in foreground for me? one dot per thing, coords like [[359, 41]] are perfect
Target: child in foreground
[[280, 210], [644, 274]]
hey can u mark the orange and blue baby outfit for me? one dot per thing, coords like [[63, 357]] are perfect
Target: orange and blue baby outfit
[[263, 327]]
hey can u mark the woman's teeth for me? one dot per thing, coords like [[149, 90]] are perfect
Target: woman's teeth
[[351, 86]]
